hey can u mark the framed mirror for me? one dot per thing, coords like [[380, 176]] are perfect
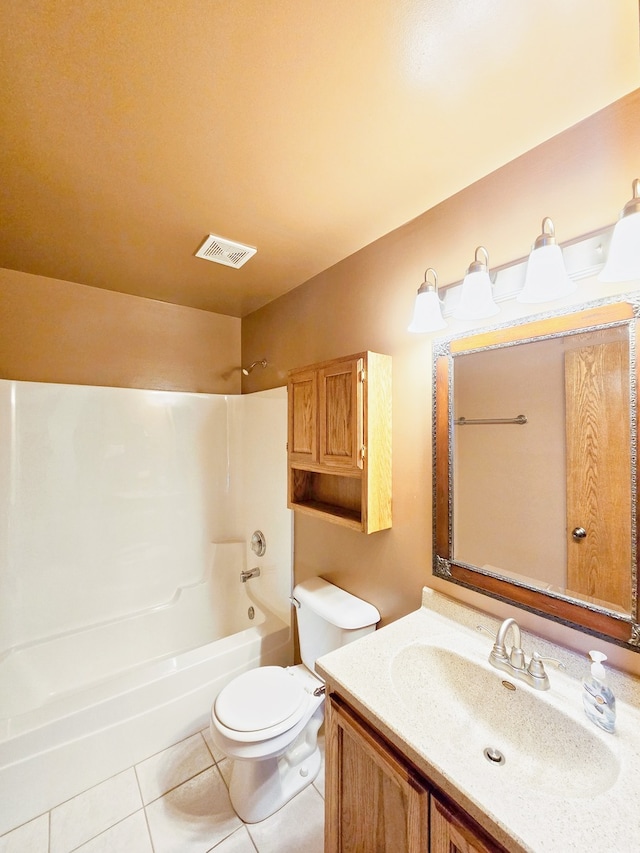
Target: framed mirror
[[535, 466]]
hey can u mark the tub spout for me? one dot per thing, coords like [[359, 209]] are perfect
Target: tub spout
[[249, 573]]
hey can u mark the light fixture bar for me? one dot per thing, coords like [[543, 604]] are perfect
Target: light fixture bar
[[584, 257], [547, 274]]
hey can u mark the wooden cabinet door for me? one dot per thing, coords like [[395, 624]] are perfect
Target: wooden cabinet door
[[302, 394], [451, 833], [374, 802], [341, 414]]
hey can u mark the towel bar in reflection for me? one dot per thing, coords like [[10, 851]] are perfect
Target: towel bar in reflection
[[519, 419]]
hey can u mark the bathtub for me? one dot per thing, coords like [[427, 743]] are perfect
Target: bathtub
[[73, 715]]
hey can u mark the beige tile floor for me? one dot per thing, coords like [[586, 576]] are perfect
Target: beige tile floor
[[174, 802]]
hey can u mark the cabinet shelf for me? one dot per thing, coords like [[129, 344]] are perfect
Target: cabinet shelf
[[339, 441], [340, 515]]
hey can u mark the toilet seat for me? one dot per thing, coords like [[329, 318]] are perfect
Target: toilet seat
[[261, 703]]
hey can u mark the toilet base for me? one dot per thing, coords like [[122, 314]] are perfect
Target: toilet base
[[259, 788]]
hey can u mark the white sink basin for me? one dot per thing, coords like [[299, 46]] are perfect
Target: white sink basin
[[545, 748]]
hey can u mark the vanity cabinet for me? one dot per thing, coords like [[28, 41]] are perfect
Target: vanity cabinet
[[377, 802], [339, 441]]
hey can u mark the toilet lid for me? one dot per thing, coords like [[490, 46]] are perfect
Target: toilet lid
[[259, 699]]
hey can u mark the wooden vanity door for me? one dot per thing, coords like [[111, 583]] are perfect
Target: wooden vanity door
[[374, 802], [451, 834]]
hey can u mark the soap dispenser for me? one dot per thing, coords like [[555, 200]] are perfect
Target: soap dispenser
[[597, 698]]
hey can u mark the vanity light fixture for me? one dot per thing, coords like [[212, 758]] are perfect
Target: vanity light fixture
[[550, 272], [476, 299], [427, 311], [546, 278], [623, 261]]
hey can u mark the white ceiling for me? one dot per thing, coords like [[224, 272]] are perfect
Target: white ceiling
[[306, 128]]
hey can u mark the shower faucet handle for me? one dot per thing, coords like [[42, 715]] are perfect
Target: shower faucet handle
[[246, 574]]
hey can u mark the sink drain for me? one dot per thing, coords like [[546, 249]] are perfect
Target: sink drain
[[494, 756]]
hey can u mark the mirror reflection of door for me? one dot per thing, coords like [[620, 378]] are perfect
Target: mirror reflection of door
[[598, 446]]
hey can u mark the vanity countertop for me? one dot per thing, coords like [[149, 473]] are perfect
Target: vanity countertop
[[581, 789]]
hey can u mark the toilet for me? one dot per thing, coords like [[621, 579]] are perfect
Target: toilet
[[267, 719]]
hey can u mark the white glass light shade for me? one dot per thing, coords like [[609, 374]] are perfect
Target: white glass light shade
[[546, 278], [623, 260], [427, 313], [476, 299]]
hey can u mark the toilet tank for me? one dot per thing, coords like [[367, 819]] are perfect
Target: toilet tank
[[328, 618]]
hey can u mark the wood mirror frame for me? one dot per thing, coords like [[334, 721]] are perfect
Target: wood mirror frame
[[620, 628]]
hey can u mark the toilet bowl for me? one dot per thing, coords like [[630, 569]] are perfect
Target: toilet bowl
[[273, 738], [267, 719]]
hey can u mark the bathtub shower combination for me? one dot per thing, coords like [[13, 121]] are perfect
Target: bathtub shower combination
[[127, 519]]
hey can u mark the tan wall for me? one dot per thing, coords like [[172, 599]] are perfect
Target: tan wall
[[581, 178], [56, 331]]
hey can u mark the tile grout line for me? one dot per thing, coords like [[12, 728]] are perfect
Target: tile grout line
[[91, 788], [144, 810], [79, 794], [107, 829], [244, 827], [148, 825], [171, 745], [27, 822], [179, 785]]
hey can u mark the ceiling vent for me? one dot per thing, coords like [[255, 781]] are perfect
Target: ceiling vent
[[225, 252]]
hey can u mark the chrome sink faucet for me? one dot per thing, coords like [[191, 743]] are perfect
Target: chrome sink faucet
[[515, 658], [514, 662]]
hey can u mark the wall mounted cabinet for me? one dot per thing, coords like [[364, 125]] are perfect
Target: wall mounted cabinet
[[339, 441]]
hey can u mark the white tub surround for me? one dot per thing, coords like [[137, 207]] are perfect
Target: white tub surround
[[126, 518], [533, 802], [111, 498]]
